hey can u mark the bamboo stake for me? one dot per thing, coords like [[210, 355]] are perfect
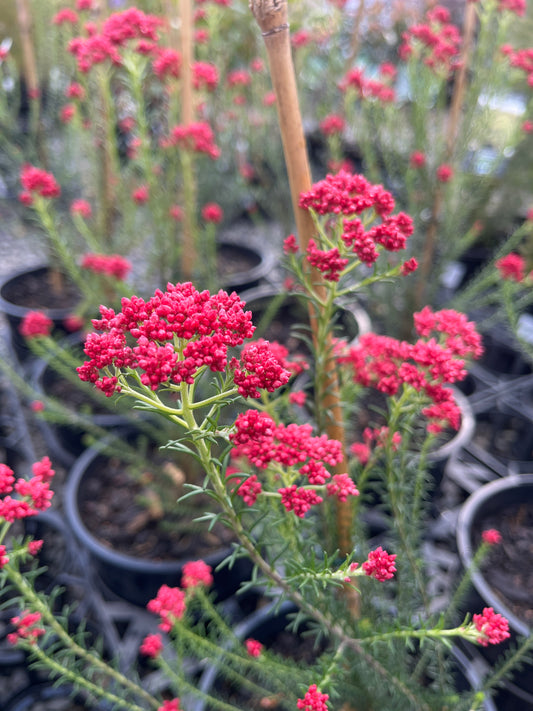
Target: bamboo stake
[[459, 90], [188, 259], [272, 18]]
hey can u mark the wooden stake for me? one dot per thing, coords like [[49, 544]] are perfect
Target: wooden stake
[[272, 18]]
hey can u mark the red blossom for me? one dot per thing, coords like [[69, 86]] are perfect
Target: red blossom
[[298, 397], [250, 489], [37, 181], [140, 195], [329, 263], [300, 38], [512, 267], [444, 173], [7, 479], [313, 700], [172, 705], [380, 565], [494, 627], [409, 266], [26, 628], [205, 76], [81, 207], [332, 124], [34, 547], [342, 486], [212, 212], [210, 324], [238, 77], [491, 537], [167, 62], [152, 645], [259, 369], [35, 324], [417, 159], [253, 647], [290, 245], [196, 137], [4, 558], [65, 16], [67, 113], [110, 264], [169, 604], [299, 499], [196, 573]]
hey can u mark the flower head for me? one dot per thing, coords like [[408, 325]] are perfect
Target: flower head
[[512, 267], [491, 536], [152, 645], [169, 604], [36, 181], [35, 324], [493, 627], [253, 647], [380, 565], [313, 700], [195, 573]]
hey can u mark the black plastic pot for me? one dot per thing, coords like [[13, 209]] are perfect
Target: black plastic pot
[[245, 263], [34, 285], [489, 500], [135, 579]]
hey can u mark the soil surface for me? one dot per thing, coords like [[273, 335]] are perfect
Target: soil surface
[[136, 515], [35, 290], [508, 568]]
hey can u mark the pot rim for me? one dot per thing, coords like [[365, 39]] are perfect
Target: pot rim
[[18, 311], [467, 514], [267, 259]]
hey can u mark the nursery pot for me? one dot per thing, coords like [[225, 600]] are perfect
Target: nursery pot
[[503, 580], [132, 573], [244, 263], [29, 290]]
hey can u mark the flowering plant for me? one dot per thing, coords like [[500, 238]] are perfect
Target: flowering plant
[[188, 355]]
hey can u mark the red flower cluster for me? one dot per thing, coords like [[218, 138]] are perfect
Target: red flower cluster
[[491, 537], [36, 181], [205, 324], [35, 324], [261, 441], [205, 75], [118, 30], [238, 77], [258, 368], [169, 604], [26, 624], [253, 647], [196, 137], [34, 494], [348, 195], [112, 264], [81, 207], [313, 700], [195, 573], [380, 565], [437, 42], [427, 365], [167, 63], [332, 125], [512, 266], [369, 88], [329, 262], [152, 646], [212, 212], [494, 628]]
